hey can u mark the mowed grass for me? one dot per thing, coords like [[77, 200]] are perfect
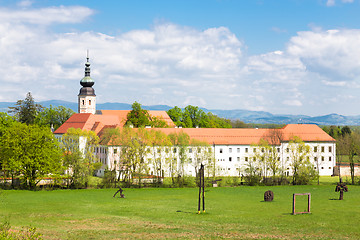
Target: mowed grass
[[231, 212]]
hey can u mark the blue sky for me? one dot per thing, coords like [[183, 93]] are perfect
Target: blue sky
[[280, 56]]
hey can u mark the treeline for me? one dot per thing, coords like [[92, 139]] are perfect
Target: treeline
[[347, 147]]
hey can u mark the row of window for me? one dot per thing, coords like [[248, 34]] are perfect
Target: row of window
[[287, 159], [277, 149]]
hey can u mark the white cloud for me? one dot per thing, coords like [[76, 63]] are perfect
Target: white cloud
[[175, 65], [45, 16], [330, 3]]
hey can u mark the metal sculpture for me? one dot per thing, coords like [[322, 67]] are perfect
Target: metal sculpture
[[341, 187], [121, 193], [201, 188], [268, 196]]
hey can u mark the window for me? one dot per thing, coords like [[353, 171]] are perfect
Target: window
[[174, 150], [158, 150], [330, 149], [238, 150], [199, 150], [262, 150], [329, 167], [246, 150], [254, 150], [230, 159], [278, 159], [315, 149], [238, 159], [287, 159], [314, 167], [190, 160], [209, 150], [115, 150], [83, 102], [246, 159], [229, 169], [322, 158], [278, 150], [190, 150], [89, 102], [323, 149], [330, 159], [322, 167], [315, 159], [287, 149], [254, 159], [220, 150], [230, 150]]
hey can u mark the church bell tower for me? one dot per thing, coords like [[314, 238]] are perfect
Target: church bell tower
[[87, 97]]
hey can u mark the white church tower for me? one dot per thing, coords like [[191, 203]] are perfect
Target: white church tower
[[87, 97]]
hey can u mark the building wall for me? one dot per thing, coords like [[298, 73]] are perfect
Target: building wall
[[228, 160]]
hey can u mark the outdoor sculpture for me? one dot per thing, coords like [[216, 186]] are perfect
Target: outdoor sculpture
[[341, 187], [268, 196], [119, 191]]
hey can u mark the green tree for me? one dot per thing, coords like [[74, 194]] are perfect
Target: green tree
[[80, 162], [53, 116], [349, 145], [302, 169], [26, 110], [176, 115], [30, 151], [138, 117]]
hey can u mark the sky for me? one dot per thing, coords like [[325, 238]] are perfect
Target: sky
[[279, 56]]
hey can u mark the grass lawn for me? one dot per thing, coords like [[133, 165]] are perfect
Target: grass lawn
[[231, 212]]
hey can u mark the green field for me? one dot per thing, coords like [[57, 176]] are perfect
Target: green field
[[231, 212]]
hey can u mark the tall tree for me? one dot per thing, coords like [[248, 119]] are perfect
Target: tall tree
[[53, 116], [138, 117], [302, 169], [26, 110], [30, 151], [80, 161], [349, 145]]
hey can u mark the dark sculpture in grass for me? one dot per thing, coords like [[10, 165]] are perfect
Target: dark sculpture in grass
[[121, 193], [268, 196], [341, 187]]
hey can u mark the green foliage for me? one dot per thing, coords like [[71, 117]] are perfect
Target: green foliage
[[193, 116], [138, 117], [28, 233], [29, 151], [53, 116], [79, 160], [303, 169], [26, 110], [238, 124]]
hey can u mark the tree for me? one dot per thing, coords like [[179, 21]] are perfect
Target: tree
[[349, 145], [180, 142], [30, 151], [176, 115], [26, 110], [80, 161], [193, 116], [138, 117], [238, 124], [303, 169], [53, 116]]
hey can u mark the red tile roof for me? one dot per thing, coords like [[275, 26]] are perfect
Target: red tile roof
[[219, 136]]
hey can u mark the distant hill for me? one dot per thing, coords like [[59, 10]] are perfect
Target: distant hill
[[243, 115]]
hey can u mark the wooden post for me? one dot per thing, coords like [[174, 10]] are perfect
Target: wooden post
[[203, 186]]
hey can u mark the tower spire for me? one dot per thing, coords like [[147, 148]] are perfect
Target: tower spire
[[87, 97]]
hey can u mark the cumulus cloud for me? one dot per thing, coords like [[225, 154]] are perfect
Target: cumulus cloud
[[45, 16], [175, 65]]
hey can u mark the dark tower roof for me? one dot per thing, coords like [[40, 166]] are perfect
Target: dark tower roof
[[87, 82]]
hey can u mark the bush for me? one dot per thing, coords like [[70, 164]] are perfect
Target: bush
[[27, 233]]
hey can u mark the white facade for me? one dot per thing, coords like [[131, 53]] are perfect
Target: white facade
[[227, 160]]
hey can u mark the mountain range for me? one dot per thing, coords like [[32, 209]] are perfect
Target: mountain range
[[246, 116]]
